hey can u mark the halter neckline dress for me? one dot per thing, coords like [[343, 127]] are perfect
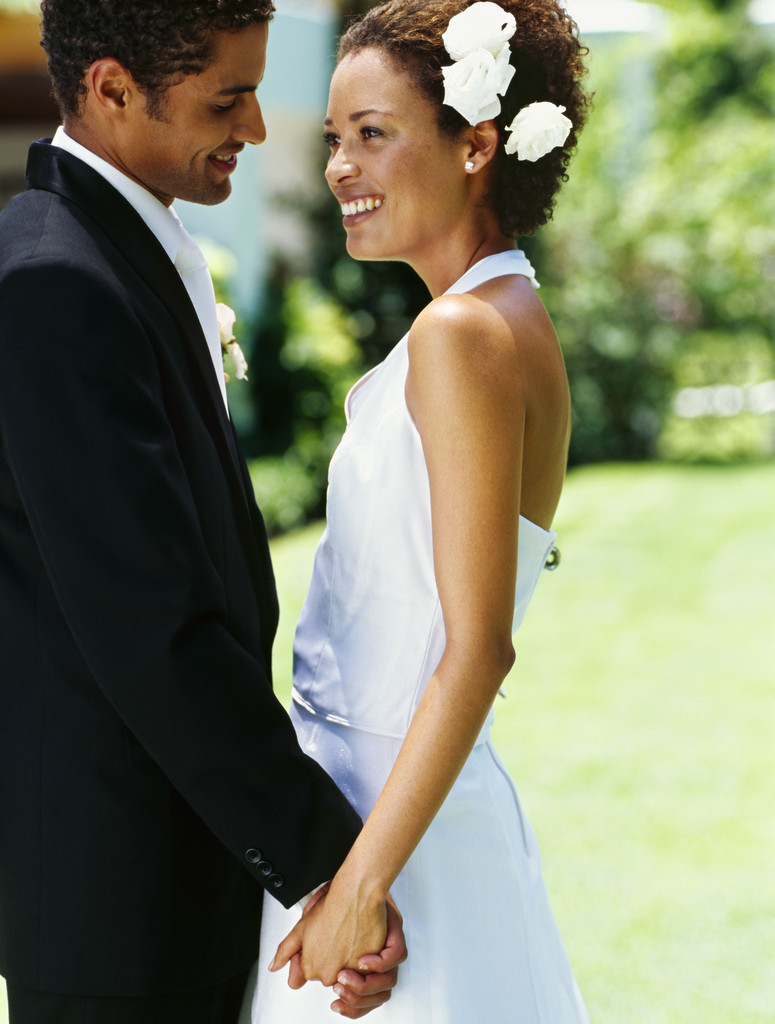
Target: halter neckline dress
[[482, 941]]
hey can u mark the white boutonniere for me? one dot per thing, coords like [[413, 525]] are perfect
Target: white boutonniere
[[537, 130], [233, 356]]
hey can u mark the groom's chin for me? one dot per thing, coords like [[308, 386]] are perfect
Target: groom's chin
[[213, 199], [205, 192], [211, 196]]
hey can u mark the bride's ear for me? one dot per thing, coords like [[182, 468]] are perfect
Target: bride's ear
[[482, 146]]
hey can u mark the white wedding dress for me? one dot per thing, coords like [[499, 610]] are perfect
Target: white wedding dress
[[482, 942]]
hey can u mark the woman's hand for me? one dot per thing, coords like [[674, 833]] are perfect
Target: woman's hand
[[334, 943], [336, 932]]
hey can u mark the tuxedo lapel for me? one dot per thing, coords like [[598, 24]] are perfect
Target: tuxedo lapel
[[51, 169], [54, 170]]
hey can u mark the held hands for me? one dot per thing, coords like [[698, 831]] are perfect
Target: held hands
[[328, 942]]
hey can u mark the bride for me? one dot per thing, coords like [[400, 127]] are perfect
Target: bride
[[450, 126]]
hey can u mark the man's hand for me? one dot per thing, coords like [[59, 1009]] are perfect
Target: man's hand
[[358, 991]]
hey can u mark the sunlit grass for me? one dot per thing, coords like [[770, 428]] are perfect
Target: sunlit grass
[[639, 728]]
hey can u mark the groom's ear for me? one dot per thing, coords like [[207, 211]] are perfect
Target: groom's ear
[[110, 86]]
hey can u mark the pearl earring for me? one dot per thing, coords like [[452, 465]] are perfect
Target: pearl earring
[[469, 165]]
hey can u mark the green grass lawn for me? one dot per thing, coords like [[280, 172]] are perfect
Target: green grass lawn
[[639, 729]]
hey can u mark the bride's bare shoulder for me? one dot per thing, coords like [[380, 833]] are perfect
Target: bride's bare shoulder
[[460, 329], [489, 327]]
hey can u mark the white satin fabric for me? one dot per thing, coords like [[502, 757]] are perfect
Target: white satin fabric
[[371, 631]]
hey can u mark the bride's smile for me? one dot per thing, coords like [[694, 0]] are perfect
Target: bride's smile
[[356, 206], [397, 178]]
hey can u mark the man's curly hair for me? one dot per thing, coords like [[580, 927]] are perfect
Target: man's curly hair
[[548, 57], [155, 40]]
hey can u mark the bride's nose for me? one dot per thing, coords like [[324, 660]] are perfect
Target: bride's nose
[[340, 167]]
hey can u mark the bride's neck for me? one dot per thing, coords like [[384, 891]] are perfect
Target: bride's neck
[[451, 264]]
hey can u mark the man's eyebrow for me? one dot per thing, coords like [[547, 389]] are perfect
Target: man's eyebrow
[[358, 114], [236, 90]]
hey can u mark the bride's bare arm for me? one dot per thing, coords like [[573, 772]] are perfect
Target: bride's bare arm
[[465, 393]]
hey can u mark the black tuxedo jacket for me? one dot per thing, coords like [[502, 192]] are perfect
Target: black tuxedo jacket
[[151, 786]]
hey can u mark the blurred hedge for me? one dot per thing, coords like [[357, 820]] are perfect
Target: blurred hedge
[[305, 361], [665, 236]]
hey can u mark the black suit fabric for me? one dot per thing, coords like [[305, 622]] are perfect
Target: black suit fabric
[[218, 1004], [151, 785]]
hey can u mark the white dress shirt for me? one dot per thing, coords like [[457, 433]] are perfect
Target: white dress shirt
[[182, 250]]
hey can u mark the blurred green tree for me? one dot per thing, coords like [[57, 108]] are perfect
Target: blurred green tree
[[666, 234]]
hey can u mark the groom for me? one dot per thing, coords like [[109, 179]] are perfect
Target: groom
[[151, 787]]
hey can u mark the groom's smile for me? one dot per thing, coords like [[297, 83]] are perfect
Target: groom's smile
[[225, 163]]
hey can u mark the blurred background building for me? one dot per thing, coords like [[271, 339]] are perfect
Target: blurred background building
[[292, 96]]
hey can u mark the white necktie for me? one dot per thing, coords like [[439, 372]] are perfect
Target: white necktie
[[193, 270]]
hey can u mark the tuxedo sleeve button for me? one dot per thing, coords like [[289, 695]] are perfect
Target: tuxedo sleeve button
[[264, 868], [253, 856], [275, 881]]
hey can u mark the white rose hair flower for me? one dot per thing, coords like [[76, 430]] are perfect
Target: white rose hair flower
[[482, 26], [473, 83], [477, 40], [537, 130], [231, 350]]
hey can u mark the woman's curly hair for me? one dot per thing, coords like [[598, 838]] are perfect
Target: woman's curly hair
[[155, 40], [548, 57]]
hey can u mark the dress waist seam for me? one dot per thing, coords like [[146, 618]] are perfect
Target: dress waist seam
[[334, 719]]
